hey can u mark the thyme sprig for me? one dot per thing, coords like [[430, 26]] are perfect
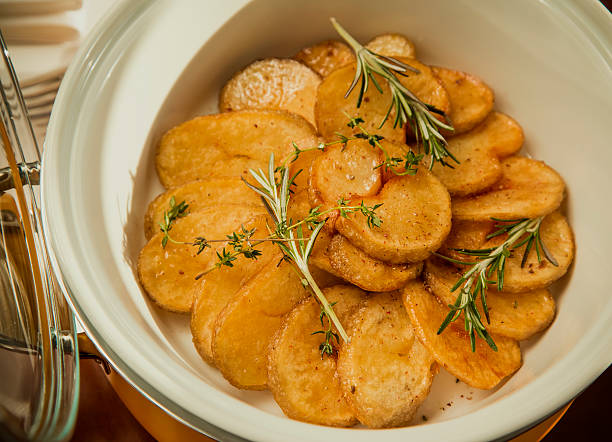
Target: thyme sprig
[[326, 347], [174, 212], [474, 282], [408, 108]]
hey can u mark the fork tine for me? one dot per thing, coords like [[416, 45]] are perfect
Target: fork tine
[[42, 100], [40, 89], [54, 75]]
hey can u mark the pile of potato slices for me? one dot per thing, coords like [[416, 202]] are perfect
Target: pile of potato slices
[[255, 321]]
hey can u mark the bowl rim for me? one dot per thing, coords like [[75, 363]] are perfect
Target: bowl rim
[[590, 17]]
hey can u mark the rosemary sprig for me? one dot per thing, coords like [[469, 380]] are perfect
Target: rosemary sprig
[[408, 108], [326, 347], [474, 282], [175, 211]]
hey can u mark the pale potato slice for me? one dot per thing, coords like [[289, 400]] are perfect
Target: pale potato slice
[[304, 384], [392, 45], [528, 188], [217, 288], [197, 195], [415, 216], [470, 98], [168, 273], [368, 273], [386, 373], [345, 172], [515, 315], [228, 144], [331, 105], [326, 56], [478, 150], [484, 368], [247, 323], [273, 83]]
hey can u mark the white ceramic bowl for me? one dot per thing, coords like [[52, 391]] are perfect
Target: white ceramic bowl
[[150, 65]]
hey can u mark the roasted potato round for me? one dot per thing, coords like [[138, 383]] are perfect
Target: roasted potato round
[[385, 371], [515, 315], [471, 99], [484, 368], [415, 216], [326, 56], [354, 266], [273, 83], [303, 382], [528, 188], [168, 273], [228, 144], [392, 45]]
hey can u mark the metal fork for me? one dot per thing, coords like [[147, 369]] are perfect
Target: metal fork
[[39, 94]]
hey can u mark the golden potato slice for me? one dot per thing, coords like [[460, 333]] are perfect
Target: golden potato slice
[[484, 368], [470, 98], [273, 83], [392, 45], [345, 172], [197, 195], [558, 238], [528, 188], [365, 272], [502, 133], [247, 323], [478, 151], [466, 235], [515, 315], [217, 288], [227, 145], [331, 105], [304, 384], [415, 216], [326, 56], [385, 371], [299, 206], [168, 273]]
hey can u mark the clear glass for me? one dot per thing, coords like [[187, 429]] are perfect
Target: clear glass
[[38, 348]]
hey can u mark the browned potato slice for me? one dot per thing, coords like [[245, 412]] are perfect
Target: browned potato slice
[[197, 195], [365, 272], [299, 206], [227, 145], [217, 288], [273, 83], [484, 368], [304, 384], [385, 371], [345, 172], [331, 105], [245, 326], [392, 45], [515, 315], [326, 56], [415, 216], [168, 274], [477, 152], [528, 188], [471, 99]]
